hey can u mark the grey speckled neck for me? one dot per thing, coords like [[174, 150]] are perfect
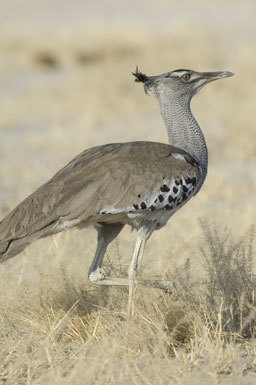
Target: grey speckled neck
[[182, 128]]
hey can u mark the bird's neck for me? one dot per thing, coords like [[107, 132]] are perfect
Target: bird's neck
[[182, 128]]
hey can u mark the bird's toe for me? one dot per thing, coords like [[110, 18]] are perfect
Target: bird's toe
[[96, 276]]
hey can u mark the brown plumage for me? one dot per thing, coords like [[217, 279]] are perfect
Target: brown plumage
[[141, 184], [81, 190]]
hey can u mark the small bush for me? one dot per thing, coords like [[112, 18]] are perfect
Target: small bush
[[231, 281]]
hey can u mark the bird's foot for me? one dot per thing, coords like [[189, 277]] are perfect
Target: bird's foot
[[98, 277]]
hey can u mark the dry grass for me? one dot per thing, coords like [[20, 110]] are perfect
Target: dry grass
[[66, 88], [63, 332]]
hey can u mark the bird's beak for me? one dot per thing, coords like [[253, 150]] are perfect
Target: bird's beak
[[211, 76]]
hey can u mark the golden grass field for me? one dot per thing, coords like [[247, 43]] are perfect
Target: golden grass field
[[66, 85]]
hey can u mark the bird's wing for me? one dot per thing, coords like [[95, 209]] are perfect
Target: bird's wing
[[147, 176], [116, 176]]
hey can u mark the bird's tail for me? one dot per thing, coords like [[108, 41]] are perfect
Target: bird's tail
[[17, 232], [11, 247]]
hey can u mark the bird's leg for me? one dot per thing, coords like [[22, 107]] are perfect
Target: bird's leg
[[134, 269], [106, 234]]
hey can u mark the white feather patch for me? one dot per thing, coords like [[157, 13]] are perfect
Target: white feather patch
[[178, 156], [66, 225]]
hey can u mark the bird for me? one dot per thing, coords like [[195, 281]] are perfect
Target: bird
[[140, 184]]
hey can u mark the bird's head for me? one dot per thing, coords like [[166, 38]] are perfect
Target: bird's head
[[180, 82]]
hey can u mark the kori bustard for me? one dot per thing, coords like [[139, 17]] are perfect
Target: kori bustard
[[141, 184]]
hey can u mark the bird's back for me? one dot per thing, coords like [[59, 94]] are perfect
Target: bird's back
[[109, 176]]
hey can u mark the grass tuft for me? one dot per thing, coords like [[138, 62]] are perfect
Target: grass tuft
[[56, 332], [231, 281]]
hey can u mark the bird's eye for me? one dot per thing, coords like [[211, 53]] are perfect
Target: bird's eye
[[186, 77]]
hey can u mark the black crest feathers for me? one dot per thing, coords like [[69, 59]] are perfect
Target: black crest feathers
[[139, 76]]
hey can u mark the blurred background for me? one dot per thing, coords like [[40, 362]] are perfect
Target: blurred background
[[66, 85]]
